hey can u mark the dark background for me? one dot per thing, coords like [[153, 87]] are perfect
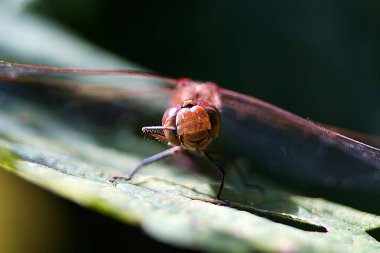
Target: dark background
[[318, 59]]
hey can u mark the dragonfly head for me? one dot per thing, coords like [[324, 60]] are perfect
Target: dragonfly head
[[196, 124]]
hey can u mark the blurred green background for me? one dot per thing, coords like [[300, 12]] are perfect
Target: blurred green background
[[318, 59]]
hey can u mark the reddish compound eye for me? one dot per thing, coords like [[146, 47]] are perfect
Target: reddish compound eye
[[214, 117], [215, 121], [169, 113], [169, 120]]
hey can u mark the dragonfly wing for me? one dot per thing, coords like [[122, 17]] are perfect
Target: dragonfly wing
[[111, 86], [92, 101], [361, 137], [290, 146]]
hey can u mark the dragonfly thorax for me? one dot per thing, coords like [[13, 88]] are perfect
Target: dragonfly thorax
[[195, 124]]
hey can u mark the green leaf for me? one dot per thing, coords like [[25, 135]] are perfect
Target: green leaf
[[38, 145]]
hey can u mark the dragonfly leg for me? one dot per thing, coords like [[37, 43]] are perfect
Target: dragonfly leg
[[149, 160], [220, 170], [243, 178], [240, 173]]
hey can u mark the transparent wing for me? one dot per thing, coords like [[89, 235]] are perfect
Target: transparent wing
[[292, 147], [96, 85], [369, 139]]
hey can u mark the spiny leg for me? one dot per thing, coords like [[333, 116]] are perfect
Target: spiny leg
[[220, 170], [149, 160], [157, 132]]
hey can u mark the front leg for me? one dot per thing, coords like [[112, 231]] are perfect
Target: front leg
[[149, 160]]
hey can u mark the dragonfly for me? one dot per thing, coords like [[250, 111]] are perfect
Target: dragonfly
[[198, 112]]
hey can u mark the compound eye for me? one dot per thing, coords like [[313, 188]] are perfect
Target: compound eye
[[170, 113], [215, 120], [169, 120]]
